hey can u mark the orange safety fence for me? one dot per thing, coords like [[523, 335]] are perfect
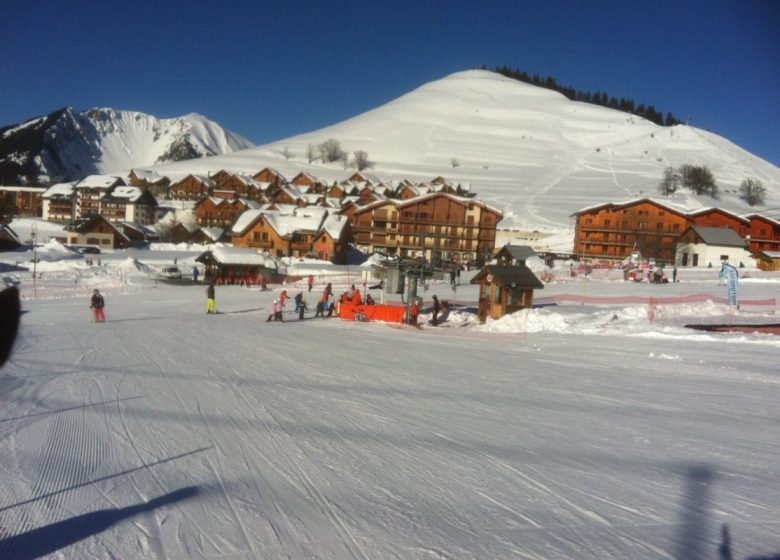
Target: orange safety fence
[[386, 313]]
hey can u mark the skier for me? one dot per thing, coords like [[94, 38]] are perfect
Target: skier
[[300, 305], [415, 311], [435, 319], [310, 281], [195, 273], [97, 305], [272, 315], [211, 306], [283, 297], [278, 311]]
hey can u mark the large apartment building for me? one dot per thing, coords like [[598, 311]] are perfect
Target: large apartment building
[[453, 227]]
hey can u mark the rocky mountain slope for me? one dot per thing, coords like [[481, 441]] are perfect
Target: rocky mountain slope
[[67, 145]]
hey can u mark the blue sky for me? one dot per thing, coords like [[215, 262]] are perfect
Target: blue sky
[[269, 70]]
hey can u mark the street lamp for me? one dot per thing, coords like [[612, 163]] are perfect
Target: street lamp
[[34, 231]]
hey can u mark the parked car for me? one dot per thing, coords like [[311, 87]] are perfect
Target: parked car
[[171, 272]]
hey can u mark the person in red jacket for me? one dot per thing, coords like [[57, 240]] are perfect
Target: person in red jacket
[[283, 298], [414, 312], [356, 297]]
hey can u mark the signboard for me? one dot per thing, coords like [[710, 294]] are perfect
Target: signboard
[[732, 284]]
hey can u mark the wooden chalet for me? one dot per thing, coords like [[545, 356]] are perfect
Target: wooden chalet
[[181, 233], [613, 231], [337, 190], [504, 289], [289, 194], [767, 260], [212, 211], [719, 218], [269, 175], [157, 184], [455, 228], [306, 182], [96, 230], [192, 187], [231, 265], [514, 254], [331, 243], [764, 233]]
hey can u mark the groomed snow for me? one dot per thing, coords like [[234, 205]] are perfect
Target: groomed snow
[[565, 431]]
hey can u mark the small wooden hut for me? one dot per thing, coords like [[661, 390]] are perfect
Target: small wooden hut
[[504, 289]]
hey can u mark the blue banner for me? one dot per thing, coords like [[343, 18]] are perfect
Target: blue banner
[[732, 283]]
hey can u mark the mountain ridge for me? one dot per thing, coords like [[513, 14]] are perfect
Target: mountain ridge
[[67, 145]]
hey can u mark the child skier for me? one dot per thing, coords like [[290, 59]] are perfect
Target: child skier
[[97, 305]]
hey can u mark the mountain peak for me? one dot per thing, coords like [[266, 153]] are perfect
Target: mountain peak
[[67, 144]]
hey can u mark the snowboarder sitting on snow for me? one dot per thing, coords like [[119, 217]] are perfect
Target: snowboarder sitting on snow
[[97, 306]]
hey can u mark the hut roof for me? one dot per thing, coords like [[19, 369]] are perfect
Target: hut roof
[[520, 274]]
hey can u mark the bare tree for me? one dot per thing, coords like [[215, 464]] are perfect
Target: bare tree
[[699, 179], [454, 162], [311, 152], [361, 160], [287, 153], [330, 151], [752, 191], [670, 181], [345, 160]]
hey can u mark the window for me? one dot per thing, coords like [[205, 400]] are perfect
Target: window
[[676, 227], [606, 223], [588, 221], [724, 258]]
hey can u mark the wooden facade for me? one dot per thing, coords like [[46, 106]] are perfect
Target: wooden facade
[[611, 232], [192, 187], [504, 289], [21, 201], [268, 175], [211, 211], [717, 217], [260, 234], [764, 233], [767, 260], [96, 230], [454, 228]]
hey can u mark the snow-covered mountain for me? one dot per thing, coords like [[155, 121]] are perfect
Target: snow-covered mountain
[[529, 151], [67, 145]]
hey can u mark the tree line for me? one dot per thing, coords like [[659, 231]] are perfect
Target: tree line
[[648, 112], [700, 180]]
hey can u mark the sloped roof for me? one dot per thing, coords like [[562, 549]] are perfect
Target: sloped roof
[[60, 190], [518, 252], [99, 182], [334, 225], [239, 255], [506, 274], [724, 237], [633, 202], [716, 209]]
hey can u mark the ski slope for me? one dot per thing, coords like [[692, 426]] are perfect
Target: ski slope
[[168, 433]]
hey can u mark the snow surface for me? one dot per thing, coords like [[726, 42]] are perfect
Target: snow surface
[[564, 431], [528, 151]]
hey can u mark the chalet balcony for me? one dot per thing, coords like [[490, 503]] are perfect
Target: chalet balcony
[[300, 246], [261, 244], [363, 238]]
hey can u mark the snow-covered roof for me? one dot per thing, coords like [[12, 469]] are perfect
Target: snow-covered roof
[[132, 194], [334, 225], [762, 217], [286, 224], [632, 202], [99, 182], [716, 209], [240, 255], [60, 190], [246, 219], [213, 233]]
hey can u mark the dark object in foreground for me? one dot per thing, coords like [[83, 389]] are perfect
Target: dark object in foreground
[[10, 311], [764, 328]]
